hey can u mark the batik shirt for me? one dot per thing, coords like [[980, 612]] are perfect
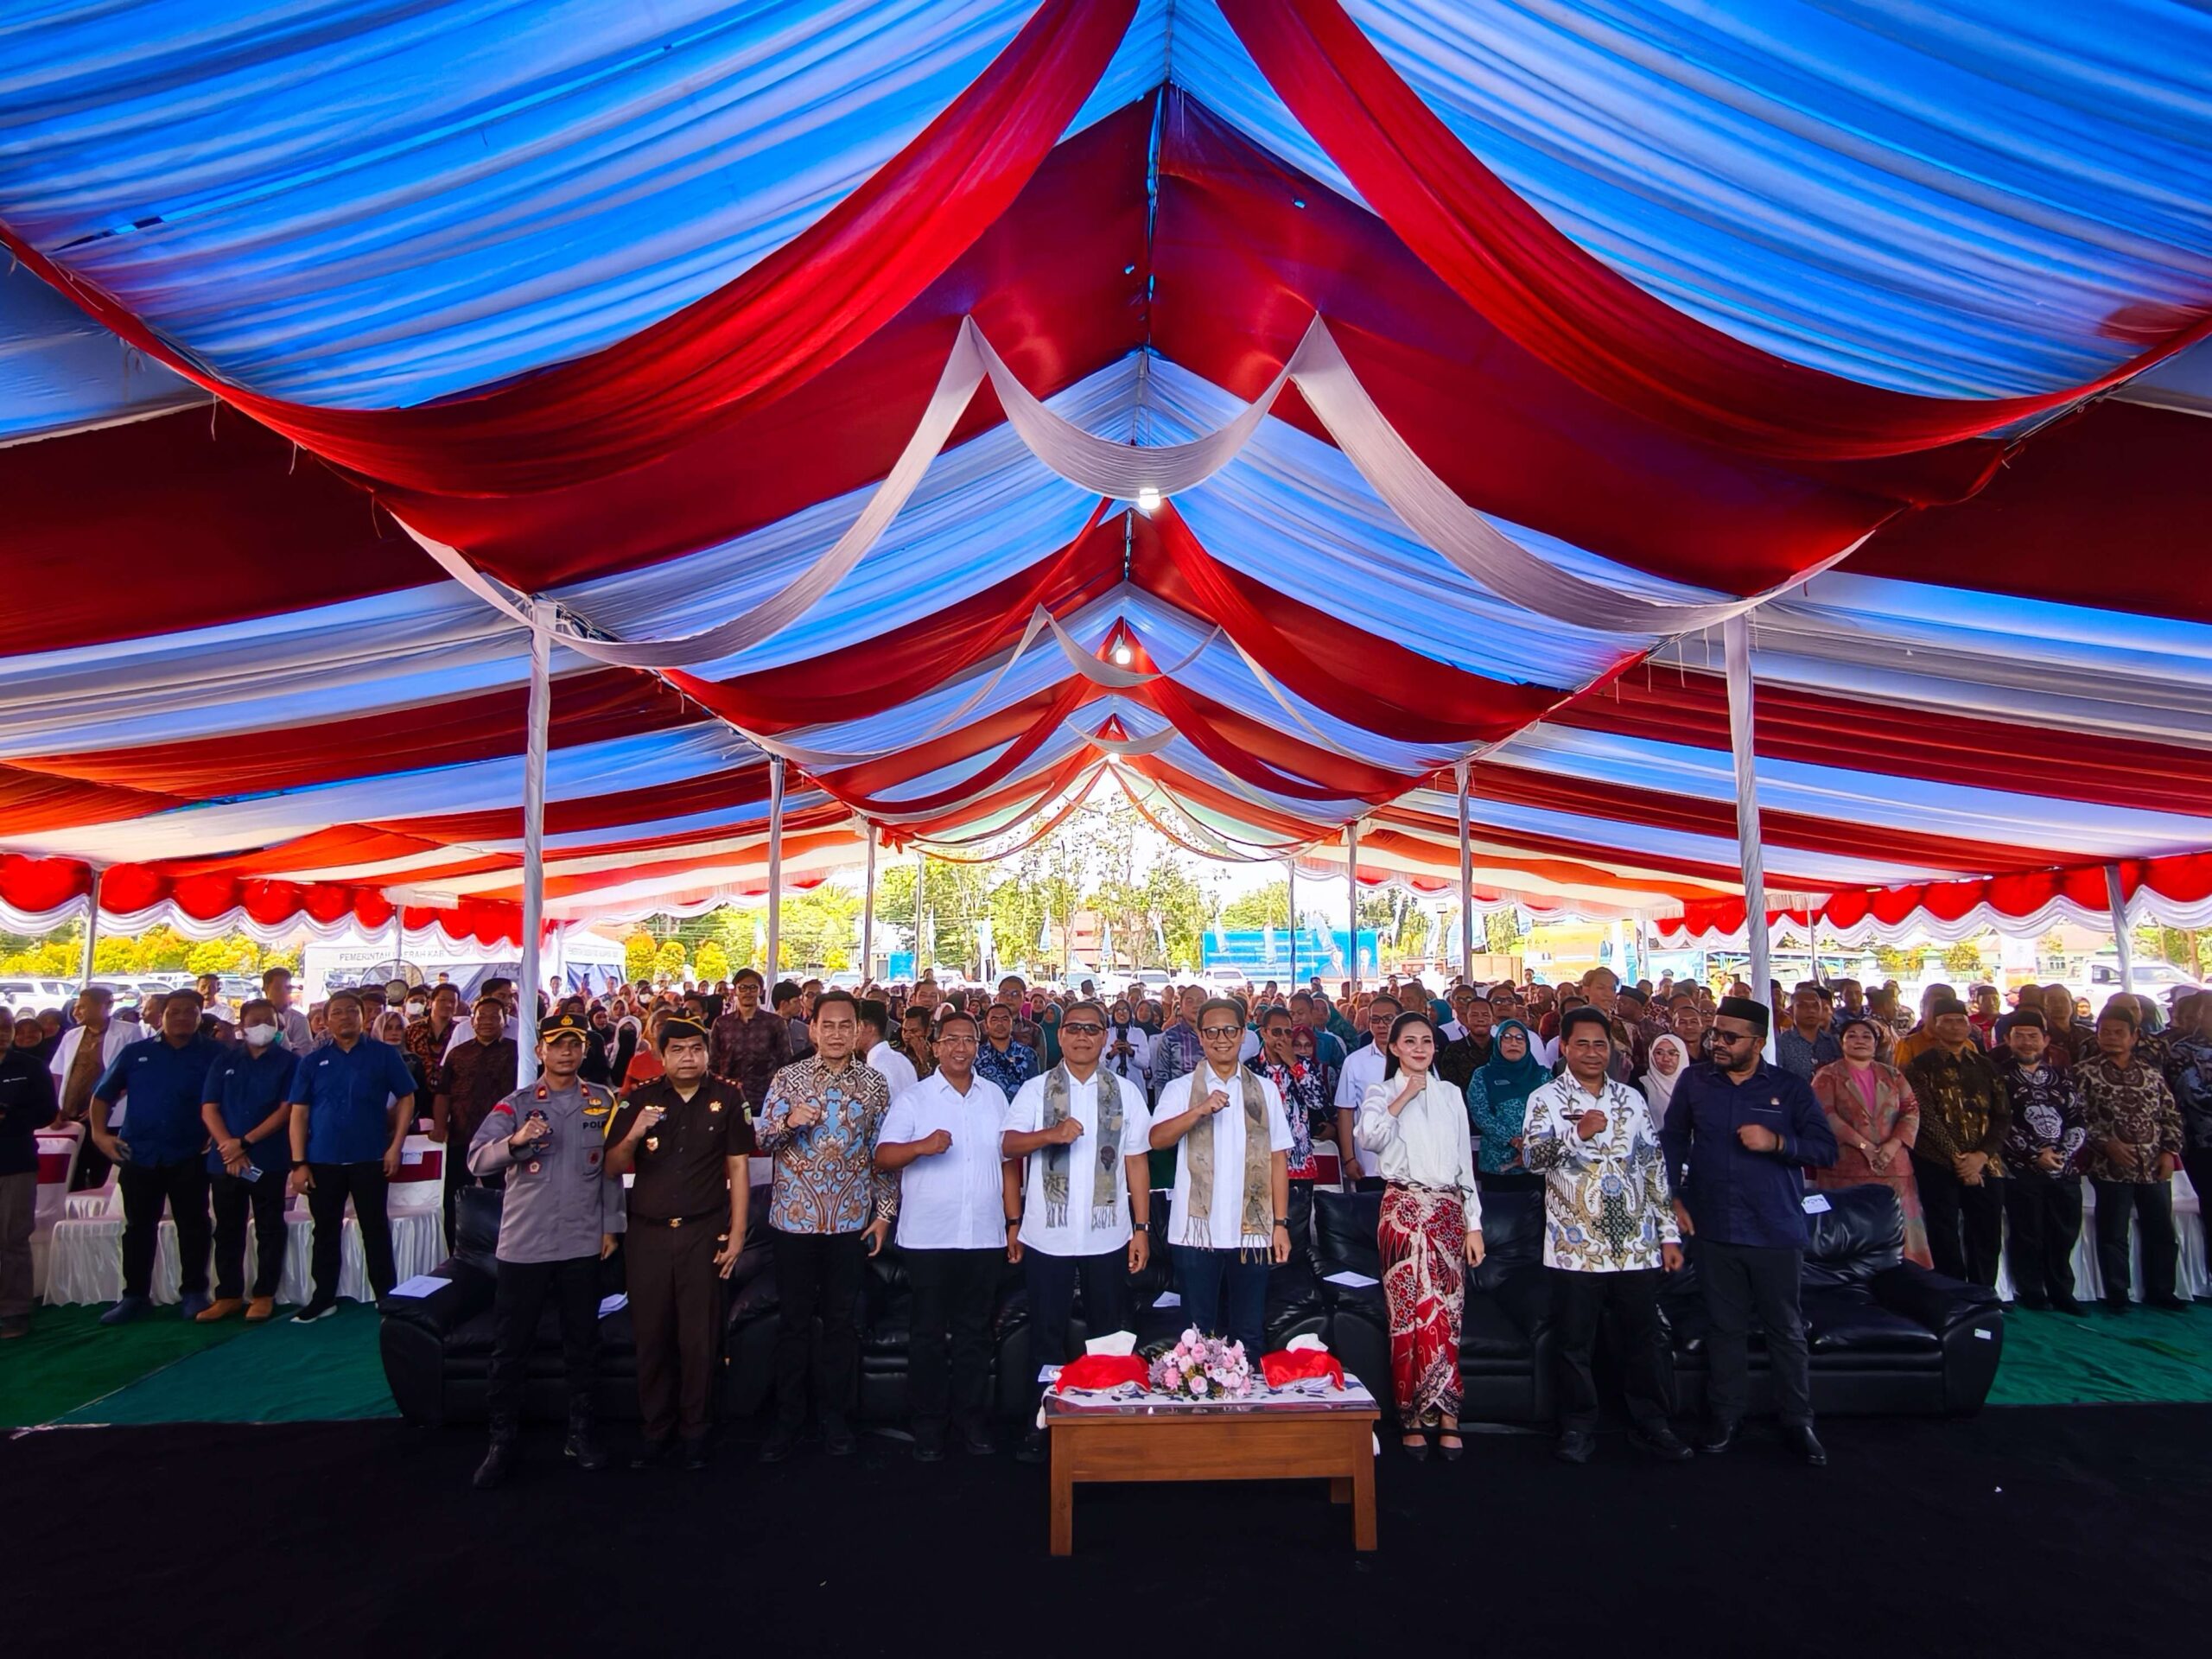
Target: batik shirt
[[1175, 1053], [2046, 1113], [1009, 1070], [1962, 1107], [826, 1177], [748, 1051], [2131, 1104], [2189, 1074], [1608, 1204], [1303, 1086]]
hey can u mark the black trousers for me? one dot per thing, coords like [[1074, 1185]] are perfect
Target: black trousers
[[2045, 1216], [819, 1277], [1579, 1303], [676, 1309], [1966, 1225], [334, 1184], [2151, 1203], [234, 1197], [948, 1367], [517, 1303], [146, 1188], [1741, 1281], [2197, 1161], [1051, 1282]]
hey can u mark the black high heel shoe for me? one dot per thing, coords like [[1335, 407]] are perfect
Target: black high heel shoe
[[1414, 1443], [1448, 1452]]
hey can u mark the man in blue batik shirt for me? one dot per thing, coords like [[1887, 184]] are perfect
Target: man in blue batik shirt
[[1738, 1137]]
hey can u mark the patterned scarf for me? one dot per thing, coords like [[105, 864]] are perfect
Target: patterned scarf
[[1103, 1191], [1256, 1227]]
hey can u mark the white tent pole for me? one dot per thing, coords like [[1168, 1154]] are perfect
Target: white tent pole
[[2121, 942], [867, 913], [1351, 901], [1466, 882], [775, 866], [91, 928], [1290, 867], [533, 832], [1736, 639]]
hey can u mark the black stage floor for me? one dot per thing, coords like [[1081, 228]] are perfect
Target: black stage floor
[[2076, 1530]]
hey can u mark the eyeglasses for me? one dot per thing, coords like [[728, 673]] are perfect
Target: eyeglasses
[[1221, 1031], [1080, 1028]]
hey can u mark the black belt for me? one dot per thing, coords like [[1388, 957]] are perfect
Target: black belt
[[703, 1216]]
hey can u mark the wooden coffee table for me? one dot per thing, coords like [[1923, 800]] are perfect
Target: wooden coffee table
[[1330, 1438]]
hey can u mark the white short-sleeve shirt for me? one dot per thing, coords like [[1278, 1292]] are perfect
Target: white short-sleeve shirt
[[1225, 1227], [897, 1071], [950, 1200], [1362, 1070], [1075, 1235]]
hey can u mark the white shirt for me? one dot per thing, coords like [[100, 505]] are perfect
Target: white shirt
[[899, 1072], [1427, 1144], [1362, 1070], [950, 1200], [1139, 1058], [1249, 1048], [1075, 1235], [1226, 1223]]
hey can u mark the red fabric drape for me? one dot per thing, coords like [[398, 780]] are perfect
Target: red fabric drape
[[742, 346], [1564, 304]]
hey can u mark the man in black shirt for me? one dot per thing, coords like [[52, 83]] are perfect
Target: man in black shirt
[[26, 1107], [685, 1136]]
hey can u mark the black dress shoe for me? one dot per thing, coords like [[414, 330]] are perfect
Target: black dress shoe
[[1800, 1439], [1033, 1447], [929, 1449], [2032, 1304], [2170, 1304], [653, 1454], [837, 1440], [1575, 1446], [695, 1454], [583, 1448], [780, 1444], [977, 1442], [2068, 1304], [1659, 1441], [2119, 1305], [1716, 1439], [498, 1463]]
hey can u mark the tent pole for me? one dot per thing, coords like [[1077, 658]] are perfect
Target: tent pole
[[1736, 637], [2122, 944], [1466, 883], [775, 866], [1290, 867], [1352, 901], [533, 832], [867, 914], [91, 929]]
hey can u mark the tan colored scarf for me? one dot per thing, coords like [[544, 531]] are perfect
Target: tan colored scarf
[[1255, 1228]]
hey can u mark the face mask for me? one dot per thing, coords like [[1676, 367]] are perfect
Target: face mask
[[259, 1036], [416, 1010]]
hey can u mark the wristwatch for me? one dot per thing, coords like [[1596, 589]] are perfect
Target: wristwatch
[[1283, 1222]]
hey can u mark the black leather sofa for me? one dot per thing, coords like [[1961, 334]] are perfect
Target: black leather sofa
[[1886, 1336]]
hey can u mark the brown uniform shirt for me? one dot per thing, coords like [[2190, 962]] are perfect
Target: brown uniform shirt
[[681, 1172]]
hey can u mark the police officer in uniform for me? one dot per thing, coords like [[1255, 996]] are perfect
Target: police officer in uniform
[[556, 1224], [685, 1136]]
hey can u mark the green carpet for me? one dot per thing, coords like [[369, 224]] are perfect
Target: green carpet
[[70, 1359], [276, 1373], [2052, 1360]]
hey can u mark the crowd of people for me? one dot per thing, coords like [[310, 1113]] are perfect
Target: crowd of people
[[1035, 1127]]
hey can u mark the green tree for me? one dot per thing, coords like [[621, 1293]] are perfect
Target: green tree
[[234, 953], [1962, 960], [1895, 962], [1267, 906], [637, 955], [712, 961], [668, 960]]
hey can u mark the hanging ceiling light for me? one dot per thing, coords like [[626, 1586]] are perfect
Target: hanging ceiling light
[[1122, 655], [1148, 499]]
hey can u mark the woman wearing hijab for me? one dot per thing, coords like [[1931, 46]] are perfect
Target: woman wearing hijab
[[1497, 1106], [1875, 1118], [1431, 1221], [1048, 1035], [1669, 1054]]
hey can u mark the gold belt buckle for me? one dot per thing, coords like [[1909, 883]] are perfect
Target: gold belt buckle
[[678, 1222]]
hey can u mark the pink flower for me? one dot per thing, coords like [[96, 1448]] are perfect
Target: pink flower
[[1198, 1387]]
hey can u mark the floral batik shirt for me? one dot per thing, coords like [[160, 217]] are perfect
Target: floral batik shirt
[[826, 1177]]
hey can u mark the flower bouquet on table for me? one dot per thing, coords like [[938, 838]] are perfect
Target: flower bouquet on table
[[1202, 1368]]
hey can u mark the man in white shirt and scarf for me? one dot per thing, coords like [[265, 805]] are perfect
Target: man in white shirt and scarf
[[1610, 1234], [1231, 1215], [1074, 1182]]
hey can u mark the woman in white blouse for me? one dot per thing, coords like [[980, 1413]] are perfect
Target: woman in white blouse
[[1415, 1124]]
